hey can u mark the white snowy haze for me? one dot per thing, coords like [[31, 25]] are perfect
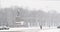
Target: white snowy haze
[[45, 5]]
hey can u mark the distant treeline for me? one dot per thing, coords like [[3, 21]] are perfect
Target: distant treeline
[[9, 17]]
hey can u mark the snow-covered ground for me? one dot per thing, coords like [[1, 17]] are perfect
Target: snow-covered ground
[[34, 29], [38, 30]]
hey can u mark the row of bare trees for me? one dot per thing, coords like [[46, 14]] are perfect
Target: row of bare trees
[[9, 17]]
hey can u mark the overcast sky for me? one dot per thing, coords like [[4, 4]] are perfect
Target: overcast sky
[[45, 5]]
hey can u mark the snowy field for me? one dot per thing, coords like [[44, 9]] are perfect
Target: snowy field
[[31, 29]]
